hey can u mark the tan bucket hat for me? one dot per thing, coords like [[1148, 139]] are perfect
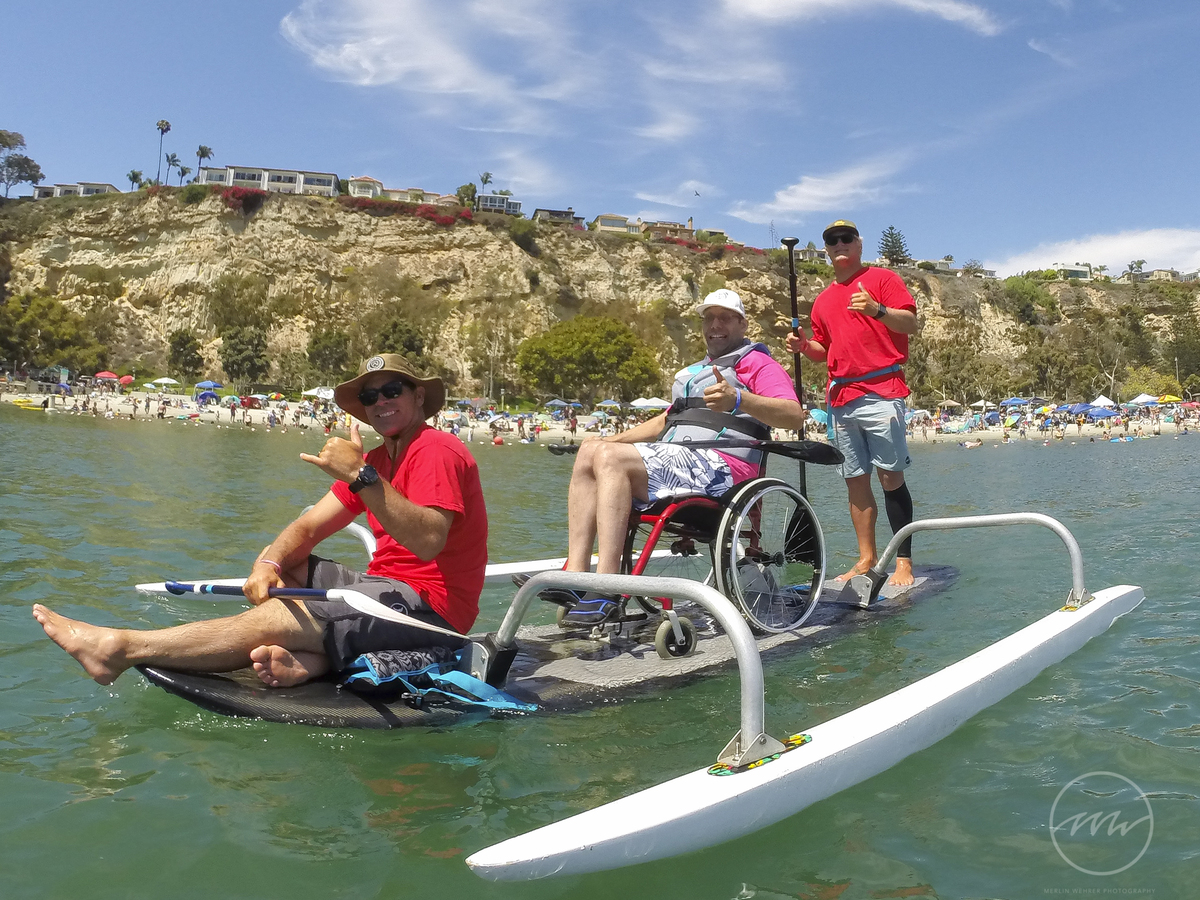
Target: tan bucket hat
[[346, 393]]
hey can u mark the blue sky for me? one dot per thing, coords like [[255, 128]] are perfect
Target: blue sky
[[1017, 132]]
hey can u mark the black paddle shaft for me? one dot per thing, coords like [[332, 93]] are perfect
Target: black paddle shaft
[[797, 371]]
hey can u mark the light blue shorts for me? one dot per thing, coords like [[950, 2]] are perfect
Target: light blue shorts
[[870, 432]]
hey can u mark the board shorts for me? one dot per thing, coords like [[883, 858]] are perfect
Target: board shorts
[[675, 470], [347, 633], [870, 431]]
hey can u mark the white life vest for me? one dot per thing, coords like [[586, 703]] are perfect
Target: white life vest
[[690, 420]]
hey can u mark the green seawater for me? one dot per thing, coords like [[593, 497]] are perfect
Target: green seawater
[[126, 791]]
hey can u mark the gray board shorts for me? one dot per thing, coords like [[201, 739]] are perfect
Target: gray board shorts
[[347, 633]]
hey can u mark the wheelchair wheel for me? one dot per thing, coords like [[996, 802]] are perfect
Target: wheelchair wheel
[[668, 646], [771, 555], [682, 551]]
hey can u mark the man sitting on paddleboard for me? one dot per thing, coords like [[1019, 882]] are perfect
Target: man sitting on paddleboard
[[737, 392], [421, 492]]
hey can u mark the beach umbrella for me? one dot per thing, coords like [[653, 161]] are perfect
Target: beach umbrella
[[615, 403], [210, 385], [822, 418], [107, 376], [650, 403], [557, 403], [259, 396], [1170, 398], [231, 400], [126, 379], [165, 380], [983, 404], [952, 403], [65, 388], [275, 396], [149, 387], [1014, 401]]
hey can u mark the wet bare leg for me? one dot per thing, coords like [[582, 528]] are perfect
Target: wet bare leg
[[863, 513], [216, 645], [279, 667]]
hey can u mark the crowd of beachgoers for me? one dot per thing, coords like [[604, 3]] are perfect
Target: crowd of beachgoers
[[487, 425]]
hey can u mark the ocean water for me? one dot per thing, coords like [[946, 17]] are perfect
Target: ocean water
[[125, 791]]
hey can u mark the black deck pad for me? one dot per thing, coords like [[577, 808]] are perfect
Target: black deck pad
[[559, 670]]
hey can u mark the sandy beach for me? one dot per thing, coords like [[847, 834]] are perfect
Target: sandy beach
[[132, 407]]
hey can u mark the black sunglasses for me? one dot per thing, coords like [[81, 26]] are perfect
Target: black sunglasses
[[391, 390], [835, 239]]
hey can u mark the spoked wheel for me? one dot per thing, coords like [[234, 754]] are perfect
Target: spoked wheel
[[680, 552], [668, 644], [771, 555]]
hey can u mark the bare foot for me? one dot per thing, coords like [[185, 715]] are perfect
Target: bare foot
[[903, 575], [279, 667], [95, 648], [859, 568]]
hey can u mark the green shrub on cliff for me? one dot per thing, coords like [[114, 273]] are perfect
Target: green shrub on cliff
[[585, 356]]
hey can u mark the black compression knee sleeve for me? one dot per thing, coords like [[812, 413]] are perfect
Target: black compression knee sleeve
[[899, 507]]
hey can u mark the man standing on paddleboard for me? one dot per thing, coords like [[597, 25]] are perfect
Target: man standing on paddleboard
[[860, 326], [421, 491]]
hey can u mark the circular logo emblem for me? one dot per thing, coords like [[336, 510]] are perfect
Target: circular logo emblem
[[1101, 823], [375, 363]]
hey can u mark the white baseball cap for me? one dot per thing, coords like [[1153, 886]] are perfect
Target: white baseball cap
[[724, 298]]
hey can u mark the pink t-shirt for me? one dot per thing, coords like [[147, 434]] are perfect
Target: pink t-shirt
[[765, 377], [858, 344]]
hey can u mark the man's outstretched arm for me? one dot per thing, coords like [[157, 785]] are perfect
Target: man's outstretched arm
[[293, 546]]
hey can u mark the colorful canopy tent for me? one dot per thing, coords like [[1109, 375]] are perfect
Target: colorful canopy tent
[[1077, 408], [1101, 413], [1102, 401], [1015, 401], [1144, 400], [209, 385], [983, 404], [205, 396]]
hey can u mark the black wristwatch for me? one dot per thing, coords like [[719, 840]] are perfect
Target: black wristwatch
[[367, 476], [881, 312]]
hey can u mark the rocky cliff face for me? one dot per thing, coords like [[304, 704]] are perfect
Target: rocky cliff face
[[156, 261]]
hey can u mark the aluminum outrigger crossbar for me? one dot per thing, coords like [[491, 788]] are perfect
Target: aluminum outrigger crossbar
[[492, 657], [863, 590]]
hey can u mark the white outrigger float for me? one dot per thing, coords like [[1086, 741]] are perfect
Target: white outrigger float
[[759, 780]]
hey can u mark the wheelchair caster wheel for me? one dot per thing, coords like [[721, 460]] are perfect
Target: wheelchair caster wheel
[[668, 646]]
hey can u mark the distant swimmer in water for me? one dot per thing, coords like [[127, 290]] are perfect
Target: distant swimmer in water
[[971, 445]]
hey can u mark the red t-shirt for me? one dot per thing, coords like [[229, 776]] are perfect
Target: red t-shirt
[[858, 344], [435, 470]]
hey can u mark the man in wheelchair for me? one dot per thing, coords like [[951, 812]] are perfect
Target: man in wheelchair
[[738, 392]]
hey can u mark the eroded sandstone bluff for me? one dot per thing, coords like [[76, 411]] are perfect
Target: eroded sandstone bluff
[[155, 261]]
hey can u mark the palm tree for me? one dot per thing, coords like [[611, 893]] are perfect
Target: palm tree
[[135, 179], [172, 162], [202, 154], [163, 127], [183, 172], [485, 178]]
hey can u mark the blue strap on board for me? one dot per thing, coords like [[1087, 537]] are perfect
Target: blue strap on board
[[446, 682]]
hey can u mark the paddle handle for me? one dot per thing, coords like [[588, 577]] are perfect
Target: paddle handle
[[797, 372], [232, 590]]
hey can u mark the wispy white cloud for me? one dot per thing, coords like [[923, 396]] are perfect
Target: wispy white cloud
[[1162, 248], [671, 125], [855, 186], [970, 15], [1053, 52], [688, 194]]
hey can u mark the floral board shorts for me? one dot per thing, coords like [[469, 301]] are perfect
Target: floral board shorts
[[674, 470]]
